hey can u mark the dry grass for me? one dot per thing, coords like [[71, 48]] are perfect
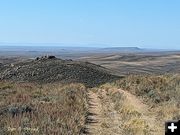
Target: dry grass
[[162, 95], [132, 118], [147, 100], [139, 104], [42, 109], [155, 88]]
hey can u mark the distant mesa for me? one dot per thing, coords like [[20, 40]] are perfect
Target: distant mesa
[[131, 49]]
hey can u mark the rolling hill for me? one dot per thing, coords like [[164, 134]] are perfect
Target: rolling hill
[[48, 70]]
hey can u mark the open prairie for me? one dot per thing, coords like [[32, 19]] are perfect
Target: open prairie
[[138, 63], [98, 94]]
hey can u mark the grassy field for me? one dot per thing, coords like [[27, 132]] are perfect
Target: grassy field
[[133, 105], [138, 104], [147, 63], [155, 89], [160, 93], [42, 109]]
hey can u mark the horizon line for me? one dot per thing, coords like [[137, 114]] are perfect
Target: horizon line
[[79, 45]]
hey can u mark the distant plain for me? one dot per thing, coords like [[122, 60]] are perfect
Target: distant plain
[[143, 94], [120, 60]]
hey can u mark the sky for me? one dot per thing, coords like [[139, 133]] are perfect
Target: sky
[[123, 23]]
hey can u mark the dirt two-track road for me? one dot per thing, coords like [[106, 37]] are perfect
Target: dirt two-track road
[[104, 119]]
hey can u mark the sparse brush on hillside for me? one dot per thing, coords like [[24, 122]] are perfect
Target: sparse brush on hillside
[[132, 116], [160, 92], [57, 70], [155, 88], [31, 109], [134, 105]]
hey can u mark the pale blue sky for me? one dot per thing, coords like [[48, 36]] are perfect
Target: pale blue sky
[[141, 23]]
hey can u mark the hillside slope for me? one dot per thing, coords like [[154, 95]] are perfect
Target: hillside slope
[[46, 70]]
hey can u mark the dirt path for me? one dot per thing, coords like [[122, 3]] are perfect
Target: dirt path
[[103, 118], [94, 114]]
